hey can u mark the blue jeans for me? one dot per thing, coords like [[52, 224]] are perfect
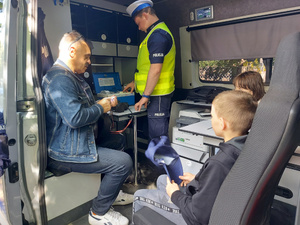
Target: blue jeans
[[159, 201], [116, 165]]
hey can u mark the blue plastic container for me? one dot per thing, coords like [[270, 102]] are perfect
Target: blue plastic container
[[108, 84]]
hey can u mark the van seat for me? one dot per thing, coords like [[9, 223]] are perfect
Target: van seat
[[53, 172]]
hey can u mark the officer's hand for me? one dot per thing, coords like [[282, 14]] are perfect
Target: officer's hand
[[105, 103], [138, 105], [129, 86]]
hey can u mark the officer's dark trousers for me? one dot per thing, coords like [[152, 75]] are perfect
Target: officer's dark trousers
[[158, 115]]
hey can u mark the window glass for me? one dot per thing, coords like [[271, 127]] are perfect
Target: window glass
[[226, 70]]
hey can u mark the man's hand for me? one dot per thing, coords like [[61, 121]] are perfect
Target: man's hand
[[113, 101], [171, 187], [129, 86], [143, 101], [105, 103], [186, 178]]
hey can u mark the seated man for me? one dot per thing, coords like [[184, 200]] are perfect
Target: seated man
[[232, 113], [71, 113]]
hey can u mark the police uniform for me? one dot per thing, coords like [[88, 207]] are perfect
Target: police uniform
[[157, 47]]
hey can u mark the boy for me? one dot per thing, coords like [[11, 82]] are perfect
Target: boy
[[232, 114]]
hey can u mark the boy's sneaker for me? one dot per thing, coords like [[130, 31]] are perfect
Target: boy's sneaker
[[111, 217], [123, 199]]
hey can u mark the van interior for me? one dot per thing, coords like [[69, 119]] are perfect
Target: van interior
[[215, 41]]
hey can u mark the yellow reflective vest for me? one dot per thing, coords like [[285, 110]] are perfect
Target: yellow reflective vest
[[165, 84]]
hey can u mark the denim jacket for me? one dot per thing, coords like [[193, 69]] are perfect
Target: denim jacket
[[71, 113]]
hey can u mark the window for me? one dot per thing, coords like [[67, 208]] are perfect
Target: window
[[226, 70]]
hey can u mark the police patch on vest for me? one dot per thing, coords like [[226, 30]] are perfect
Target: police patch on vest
[[155, 55], [159, 114]]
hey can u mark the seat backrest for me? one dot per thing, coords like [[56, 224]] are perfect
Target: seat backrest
[[248, 191]]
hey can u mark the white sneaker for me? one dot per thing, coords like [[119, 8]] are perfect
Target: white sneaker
[[123, 199], [110, 218]]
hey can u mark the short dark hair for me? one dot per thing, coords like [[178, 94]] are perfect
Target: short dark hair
[[149, 10], [251, 80]]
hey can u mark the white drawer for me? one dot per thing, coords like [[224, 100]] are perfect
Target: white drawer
[[190, 166], [188, 152], [188, 139]]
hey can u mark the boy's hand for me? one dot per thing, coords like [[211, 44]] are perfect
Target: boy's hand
[[186, 178], [171, 187]]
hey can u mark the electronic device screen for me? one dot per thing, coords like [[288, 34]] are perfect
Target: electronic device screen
[[204, 13]]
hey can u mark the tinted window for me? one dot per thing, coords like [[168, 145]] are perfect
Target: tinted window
[[226, 70]]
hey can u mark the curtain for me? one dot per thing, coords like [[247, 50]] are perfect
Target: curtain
[[246, 40]]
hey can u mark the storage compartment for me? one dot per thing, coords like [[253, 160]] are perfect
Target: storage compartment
[[78, 17], [101, 25], [106, 28], [191, 153], [127, 50], [104, 48], [184, 121], [188, 139], [128, 33], [102, 64]]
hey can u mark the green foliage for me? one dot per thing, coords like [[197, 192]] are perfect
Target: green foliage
[[226, 70], [219, 70]]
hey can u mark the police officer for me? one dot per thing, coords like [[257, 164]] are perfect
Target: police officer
[[154, 77]]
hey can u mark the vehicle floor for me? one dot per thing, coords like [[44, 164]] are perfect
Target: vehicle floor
[[147, 176]]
